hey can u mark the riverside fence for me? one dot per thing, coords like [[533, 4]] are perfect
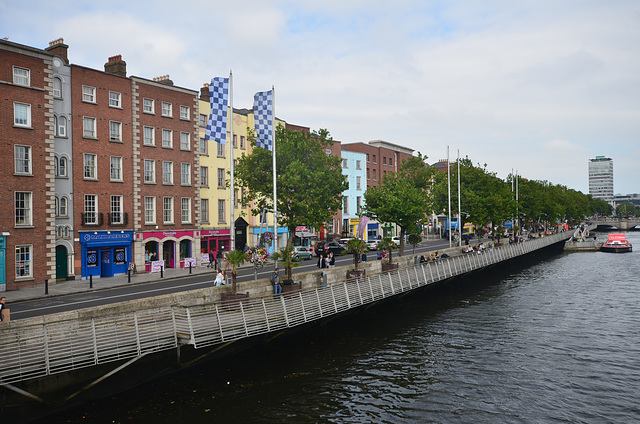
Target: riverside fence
[[57, 347]]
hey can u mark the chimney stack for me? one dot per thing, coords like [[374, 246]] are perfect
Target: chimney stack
[[58, 48], [116, 66], [164, 79], [204, 92]]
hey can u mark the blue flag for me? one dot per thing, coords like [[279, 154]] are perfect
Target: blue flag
[[263, 117], [219, 99]]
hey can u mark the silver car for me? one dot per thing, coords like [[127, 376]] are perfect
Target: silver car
[[301, 252]]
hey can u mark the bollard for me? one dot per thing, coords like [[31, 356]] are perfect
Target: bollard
[[90, 281], [129, 275], [162, 272], [46, 286], [189, 267]]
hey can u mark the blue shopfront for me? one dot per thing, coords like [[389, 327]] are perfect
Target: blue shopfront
[[259, 237], [105, 253]]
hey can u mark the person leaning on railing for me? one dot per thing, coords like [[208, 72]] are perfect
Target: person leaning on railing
[[3, 309]]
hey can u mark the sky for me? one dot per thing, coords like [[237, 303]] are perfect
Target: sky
[[538, 87]]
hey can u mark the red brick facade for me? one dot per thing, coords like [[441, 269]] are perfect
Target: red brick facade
[[380, 159]]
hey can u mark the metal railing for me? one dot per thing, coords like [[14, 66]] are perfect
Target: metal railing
[[57, 347]]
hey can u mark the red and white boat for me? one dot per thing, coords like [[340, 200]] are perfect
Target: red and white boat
[[617, 243]]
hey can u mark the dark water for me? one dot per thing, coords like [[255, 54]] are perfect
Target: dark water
[[555, 342]]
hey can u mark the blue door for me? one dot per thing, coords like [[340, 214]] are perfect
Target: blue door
[[107, 264], [3, 278]]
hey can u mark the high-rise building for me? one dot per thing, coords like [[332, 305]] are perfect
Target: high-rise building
[[601, 178]]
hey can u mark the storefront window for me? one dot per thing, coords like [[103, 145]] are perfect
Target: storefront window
[[92, 257], [151, 251], [185, 249], [120, 256]]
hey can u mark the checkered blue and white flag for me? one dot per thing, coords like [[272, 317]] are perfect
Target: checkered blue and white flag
[[219, 98], [263, 116]]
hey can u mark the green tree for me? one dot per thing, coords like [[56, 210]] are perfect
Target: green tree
[[356, 247], [310, 182], [626, 210], [288, 259], [388, 245], [403, 197], [235, 258]]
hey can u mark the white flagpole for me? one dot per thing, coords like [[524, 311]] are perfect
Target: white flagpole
[[275, 192], [232, 167], [459, 210], [449, 192]]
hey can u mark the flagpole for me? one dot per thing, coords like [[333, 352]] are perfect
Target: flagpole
[[449, 194], [459, 201], [232, 229], [275, 191]]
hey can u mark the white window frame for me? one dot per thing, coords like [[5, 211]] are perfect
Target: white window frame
[[115, 168], [345, 163], [167, 210], [204, 209], [63, 206], [185, 113], [221, 207], [88, 94], [221, 178], [63, 167], [22, 159], [243, 142], [167, 142], [167, 109], [185, 210], [23, 208], [203, 120], [149, 210], [117, 207], [115, 99], [185, 141], [358, 164], [204, 147], [345, 205], [117, 134], [61, 128], [204, 176], [149, 171], [89, 127], [91, 209], [57, 87], [18, 119], [185, 174], [220, 150], [24, 261], [148, 106], [149, 131], [358, 182], [167, 173], [90, 166], [21, 76]]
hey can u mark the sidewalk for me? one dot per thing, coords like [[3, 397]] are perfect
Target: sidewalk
[[61, 288]]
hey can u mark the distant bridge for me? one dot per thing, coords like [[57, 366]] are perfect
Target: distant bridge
[[623, 224]]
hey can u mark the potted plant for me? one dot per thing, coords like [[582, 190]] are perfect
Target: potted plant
[[235, 258], [388, 245], [356, 247], [289, 261]]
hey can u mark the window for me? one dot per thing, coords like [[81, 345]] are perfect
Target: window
[[235, 141], [115, 99], [203, 120], [374, 175], [23, 208], [62, 168], [359, 204], [235, 198], [242, 142], [63, 206], [167, 210], [149, 136], [185, 141], [204, 209], [167, 138], [55, 206], [88, 94], [116, 168], [89, 127], [167, 172], [149, 171], [204, 176], [90, 166], [22, 114], [345, 163], [115, 131], [345, 205], [90, 209], [390, 161], [62, 126], [358, 182], [328, 152], [22, 155], [24, 261], [116, 210], [220, 150], [221, 211], [374, 158], [367, 157], [21, 76], [149, 210], [203, 147], [384, 160], [57, 88], [166, 109], [148, 106], [185, 113], [186, 210], [221, 182], [358, 166], [185, 174], [368, 174]]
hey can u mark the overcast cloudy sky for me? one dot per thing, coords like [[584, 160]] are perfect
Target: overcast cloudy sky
[[537, 86]]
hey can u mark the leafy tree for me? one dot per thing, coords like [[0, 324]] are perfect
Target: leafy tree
[[288, 259], [403, 197], [310, 182], [388, 245], [235, 258], [414, 240], [626, 210], [356, 247]]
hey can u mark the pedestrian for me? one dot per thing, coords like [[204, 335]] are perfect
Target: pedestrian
[[332, 260], [379, 255], [3, 309], [364, 257], [219, 256], [212, 259], [321, 262], [275, 280], [219, 278]]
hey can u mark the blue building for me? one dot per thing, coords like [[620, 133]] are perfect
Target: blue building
[[354, 168]]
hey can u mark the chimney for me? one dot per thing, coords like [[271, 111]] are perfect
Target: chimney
[[164, 79], [58, 48], [116, 66], [204, 92]]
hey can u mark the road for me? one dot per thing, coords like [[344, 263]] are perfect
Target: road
[[88, 299]]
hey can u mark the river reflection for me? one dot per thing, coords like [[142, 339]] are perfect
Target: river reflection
[[557, 341]]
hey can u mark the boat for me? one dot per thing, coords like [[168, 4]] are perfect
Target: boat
[[617, 243]]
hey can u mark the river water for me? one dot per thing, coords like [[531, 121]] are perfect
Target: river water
[[557, 341]]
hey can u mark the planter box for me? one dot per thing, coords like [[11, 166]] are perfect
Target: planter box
[[291, 287], [231, 302], [389, 267], [352, 274]]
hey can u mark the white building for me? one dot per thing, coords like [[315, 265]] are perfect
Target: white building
[[601, 178]]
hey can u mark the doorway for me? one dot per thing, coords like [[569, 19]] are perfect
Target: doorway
[[61, 263]]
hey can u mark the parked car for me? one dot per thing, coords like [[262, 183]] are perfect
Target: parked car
[[372, 244], [396, 240], [334, 247], [344, 241], [301, 252]]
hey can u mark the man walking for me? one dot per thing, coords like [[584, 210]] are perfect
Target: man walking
[[275, 280], [3, 309]]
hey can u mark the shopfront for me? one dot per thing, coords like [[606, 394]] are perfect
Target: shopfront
[[105, 253], [212, 240], [168, 249], [3, 280], [372, 231], [282, 239]]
